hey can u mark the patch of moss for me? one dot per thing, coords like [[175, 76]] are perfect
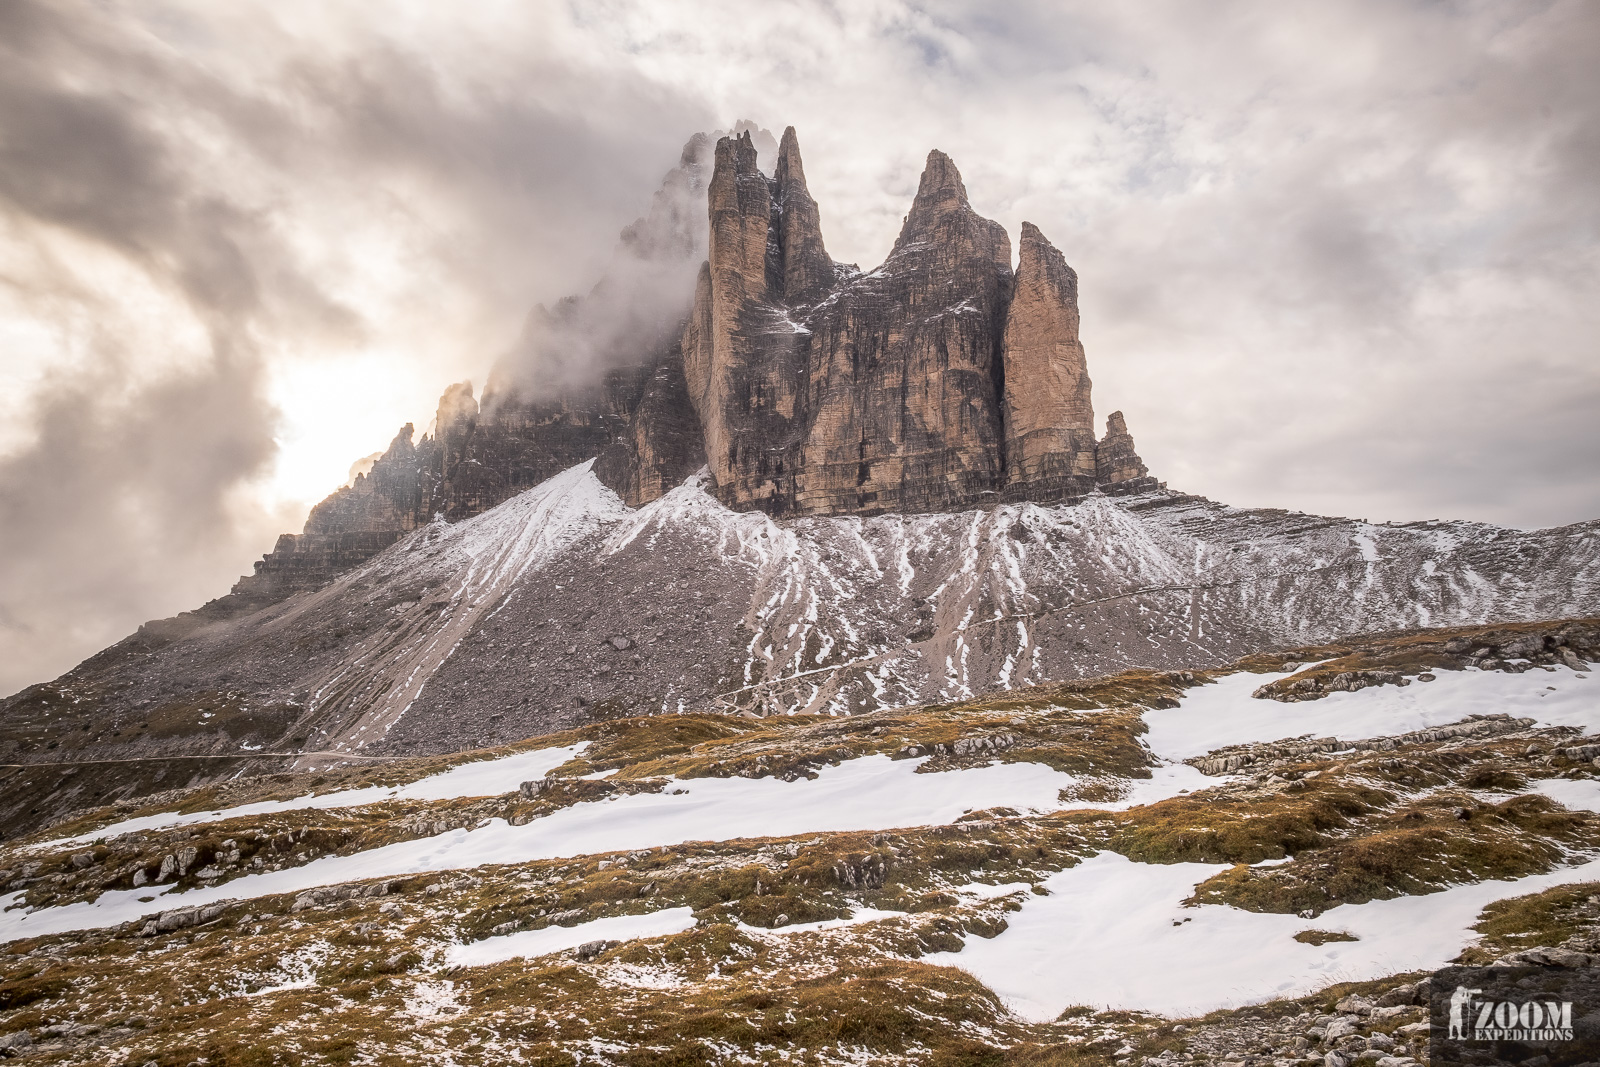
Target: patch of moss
[[1419, 848], [1323, 937], [1536, 920]]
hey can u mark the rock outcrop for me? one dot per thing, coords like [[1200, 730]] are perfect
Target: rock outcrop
[[940, 380], [904, 363], [1050, 445], [1118, 468]]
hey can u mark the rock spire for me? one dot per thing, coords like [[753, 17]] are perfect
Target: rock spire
[[1050, 445]]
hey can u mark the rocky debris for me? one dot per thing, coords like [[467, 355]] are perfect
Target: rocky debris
[[333, 894], [590, 949], [1568, 958], [962, 746], [178, 919], [177, 864], [1083, 594], [867, 872], [1387, 1029], [1390, 1030], [1237, 758], [1315, 687]]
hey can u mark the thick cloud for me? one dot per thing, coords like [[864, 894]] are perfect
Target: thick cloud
[[1337, 257], [221, 235]]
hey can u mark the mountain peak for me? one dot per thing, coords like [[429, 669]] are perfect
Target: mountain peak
[[789, 169], [939, 192], [1118, 467], [806, 268]]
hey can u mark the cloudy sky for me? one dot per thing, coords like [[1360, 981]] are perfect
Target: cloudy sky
[[1335, 256]]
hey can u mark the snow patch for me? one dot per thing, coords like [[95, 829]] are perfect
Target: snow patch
[[1115, 934], [529, 944]]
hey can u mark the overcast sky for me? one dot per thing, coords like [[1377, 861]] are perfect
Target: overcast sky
[[1334, 256]]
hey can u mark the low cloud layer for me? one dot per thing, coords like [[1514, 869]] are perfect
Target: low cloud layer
[[1336, 257]]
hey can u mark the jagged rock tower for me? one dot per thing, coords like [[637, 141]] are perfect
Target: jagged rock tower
[[1049, 419], [941, 380]]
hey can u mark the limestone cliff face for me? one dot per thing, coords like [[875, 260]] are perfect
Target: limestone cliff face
[[940, 380], [808, 272], [744, 369], [662, 443], [1050, 445], [904, 364]]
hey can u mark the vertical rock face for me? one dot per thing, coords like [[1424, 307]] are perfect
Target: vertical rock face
[[453, 424], [661, 445], [822, 390], [744, 366], [1050, 445], [808, 272], [1118, 467], [904, 366]]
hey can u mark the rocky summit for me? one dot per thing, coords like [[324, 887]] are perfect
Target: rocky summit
[[941, 380]]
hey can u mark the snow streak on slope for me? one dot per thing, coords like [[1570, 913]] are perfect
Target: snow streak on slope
[[561, 606], [848, 613], [735, 611], [482, 778], [491, 555]]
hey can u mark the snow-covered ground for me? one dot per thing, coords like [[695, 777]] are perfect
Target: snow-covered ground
[[531, 943], [874, 793], [1213, 716], [1574, 794], [482, 778], [1113, 933]]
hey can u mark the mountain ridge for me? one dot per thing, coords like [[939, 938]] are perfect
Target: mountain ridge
[[805, 385]]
